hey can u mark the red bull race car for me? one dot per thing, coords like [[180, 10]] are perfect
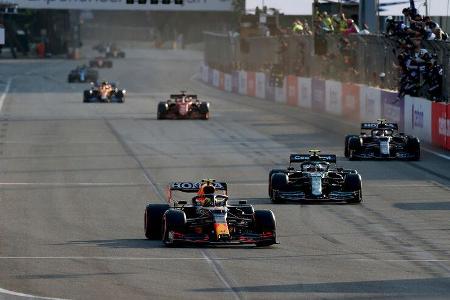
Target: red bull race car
[[208, 218], [183, 106]]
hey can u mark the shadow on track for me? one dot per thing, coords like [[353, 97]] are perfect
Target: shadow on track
[[423, 206], [121, 243], [408, 288]]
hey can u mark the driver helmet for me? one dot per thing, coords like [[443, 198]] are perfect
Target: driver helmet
[[206, 194]]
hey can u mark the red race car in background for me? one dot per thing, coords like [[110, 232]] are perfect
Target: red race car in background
[[183, 106]]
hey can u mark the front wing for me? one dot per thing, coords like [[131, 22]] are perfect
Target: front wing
[[267, 238], [336, 196]]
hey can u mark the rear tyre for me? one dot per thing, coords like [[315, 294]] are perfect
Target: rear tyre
[[353, 183], [279, 181], [413, 147], [153, 220], [346, 149], [270, 190], [86, 96], [354, 146], [174, 220], [264, 223], [162, 111], [204, 110]]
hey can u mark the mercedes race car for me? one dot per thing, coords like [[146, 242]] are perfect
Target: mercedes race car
[[105, 92], [100, 62], [183, 106], [82, 74], [314, 177], [208, 219], [381, 141]]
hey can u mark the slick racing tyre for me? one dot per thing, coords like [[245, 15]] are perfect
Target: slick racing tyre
[[204, 110], [413, 148], [162, 110], [153, 220], [174, 220], [346, 149], [279, 181], [354, 146], [265, 222], [270, 180], [352, 183]]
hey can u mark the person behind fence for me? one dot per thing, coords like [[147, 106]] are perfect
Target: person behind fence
[[327, 23], [297, 27]]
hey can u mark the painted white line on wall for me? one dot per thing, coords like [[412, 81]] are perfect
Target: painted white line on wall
[[5, 92], [27, 296], [447, 157]]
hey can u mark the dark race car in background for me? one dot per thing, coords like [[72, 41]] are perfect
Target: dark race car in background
[[381, 141], [100, 62], [105, 92], [312, 177], [110, 50], [220, 223], [183, 106], [82, 74]]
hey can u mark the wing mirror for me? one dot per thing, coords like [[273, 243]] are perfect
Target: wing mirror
[[182, 202], [242, 202]]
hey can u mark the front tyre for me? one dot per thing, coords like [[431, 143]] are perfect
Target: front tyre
[[153, 220], [353, 183], [265, 223], [174, 221]]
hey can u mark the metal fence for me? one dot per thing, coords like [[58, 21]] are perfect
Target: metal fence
[[358, 58]]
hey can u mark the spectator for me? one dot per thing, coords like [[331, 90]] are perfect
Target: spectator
[[365, 30], [327, 23], [297, 27], [351, 27]]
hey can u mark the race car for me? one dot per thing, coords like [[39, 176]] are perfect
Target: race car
[[381, 140], [208, 218], [314, 177], [183, 106], [82, 74], [100, 62], [104, 92], [110, 50]]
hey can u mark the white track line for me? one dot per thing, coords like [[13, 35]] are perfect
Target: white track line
[[96, 258], [5, 92], [447, 157], [26, 296], [68, 184], [219, 275]]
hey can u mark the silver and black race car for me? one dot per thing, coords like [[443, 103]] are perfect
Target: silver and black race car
[[208, 219], [381, 141], [312, 177], [105, 92], [82, 74]]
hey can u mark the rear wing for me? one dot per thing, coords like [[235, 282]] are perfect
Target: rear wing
[[297, 158], [368, 126], [178, 96], [193, 187]]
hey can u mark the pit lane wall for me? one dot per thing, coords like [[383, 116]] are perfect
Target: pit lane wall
[[430, 121]]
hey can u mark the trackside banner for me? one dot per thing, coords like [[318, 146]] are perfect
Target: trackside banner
[[189, 5], [420, 117]]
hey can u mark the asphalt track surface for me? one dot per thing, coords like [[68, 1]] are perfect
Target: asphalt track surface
[[75, 178]]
